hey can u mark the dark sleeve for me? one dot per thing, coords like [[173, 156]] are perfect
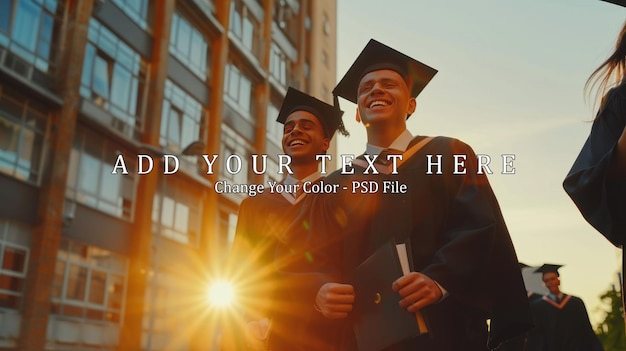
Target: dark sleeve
[[303, 267], [477, 262], [469, 224], [536, 337], [302, 257], [592, 342], [599, 197]]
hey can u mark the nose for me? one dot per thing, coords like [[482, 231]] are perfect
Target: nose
[[377, 88], [296, 129]]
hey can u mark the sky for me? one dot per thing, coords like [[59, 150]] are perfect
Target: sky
[[511, 81]]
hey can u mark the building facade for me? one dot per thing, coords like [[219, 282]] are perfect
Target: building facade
[[97, 251]]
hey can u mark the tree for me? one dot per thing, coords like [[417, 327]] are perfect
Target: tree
[[611, 330]]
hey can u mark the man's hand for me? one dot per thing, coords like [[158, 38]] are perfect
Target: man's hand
[[417, 291], [335, 300]]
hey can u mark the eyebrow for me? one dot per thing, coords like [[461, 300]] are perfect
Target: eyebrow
[[306, 121], [382, 80]]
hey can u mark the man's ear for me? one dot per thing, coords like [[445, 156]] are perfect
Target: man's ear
[[358, 115], [326, 144], [411, 107]]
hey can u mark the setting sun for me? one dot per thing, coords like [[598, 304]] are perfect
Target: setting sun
[[221, 294]]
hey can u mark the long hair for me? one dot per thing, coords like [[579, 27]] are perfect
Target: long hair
[[611, 72]]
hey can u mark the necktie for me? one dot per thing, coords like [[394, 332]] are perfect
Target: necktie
[[382, 157]]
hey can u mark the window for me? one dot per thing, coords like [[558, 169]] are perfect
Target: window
[[113, 74], [325, 93], [90, 180], [239, 90], [227, 225], [89, 283], [324, 58], [274, 129], [286, 17], [14, 252], [167, 309], [5, 16], [326, 24], [244, 26], [278, 64], [177, 214], [181, 119], [23, 128], [137, 10], [237, 170], [27, 29], [232, 227], [189, 46]]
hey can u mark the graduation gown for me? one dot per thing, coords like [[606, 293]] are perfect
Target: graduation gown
[[562, 326], [601, 199], [520, 343], [458, 238], [253, 261]]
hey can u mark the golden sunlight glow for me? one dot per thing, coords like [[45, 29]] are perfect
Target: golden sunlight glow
[[221, 294]]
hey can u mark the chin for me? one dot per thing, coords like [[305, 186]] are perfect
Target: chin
[[374, 117]]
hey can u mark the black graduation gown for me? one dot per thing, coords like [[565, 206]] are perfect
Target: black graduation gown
[[562, 327], [458, 238], [520, 343], [253, 261], [600, 199]]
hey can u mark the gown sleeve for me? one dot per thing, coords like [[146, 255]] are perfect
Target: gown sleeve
[[600, 198]]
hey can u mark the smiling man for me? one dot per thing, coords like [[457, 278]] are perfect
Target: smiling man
[[309, 125], [561, 320], [465, 270]]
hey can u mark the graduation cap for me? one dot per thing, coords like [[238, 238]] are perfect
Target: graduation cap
[[522, 265], [377, 56], [549, 268], [617, 2], [328, 115]]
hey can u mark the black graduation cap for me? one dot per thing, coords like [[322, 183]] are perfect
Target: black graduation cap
[[617, 2], [328, 115], [522, 265], [549, 268], [376, 56]]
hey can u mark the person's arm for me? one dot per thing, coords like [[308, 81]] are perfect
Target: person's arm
[[468, 229], [476, 262], [618, 164], [595, 183]]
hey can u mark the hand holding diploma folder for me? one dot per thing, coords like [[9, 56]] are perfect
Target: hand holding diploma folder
[[379, 320]]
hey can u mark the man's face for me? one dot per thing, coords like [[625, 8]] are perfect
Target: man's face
[[552, 282], [384, 96], [303, 136]]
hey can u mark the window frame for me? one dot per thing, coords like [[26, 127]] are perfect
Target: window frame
[[70, 259]]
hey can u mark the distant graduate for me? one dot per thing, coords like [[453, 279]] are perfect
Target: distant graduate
[[561, 320]]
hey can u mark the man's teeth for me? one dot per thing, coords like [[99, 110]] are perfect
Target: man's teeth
[[296, 142], [378, 103]]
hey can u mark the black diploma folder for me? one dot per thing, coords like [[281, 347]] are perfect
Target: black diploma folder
[[379, 321]]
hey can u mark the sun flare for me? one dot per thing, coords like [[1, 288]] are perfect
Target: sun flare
[[221, 294]]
